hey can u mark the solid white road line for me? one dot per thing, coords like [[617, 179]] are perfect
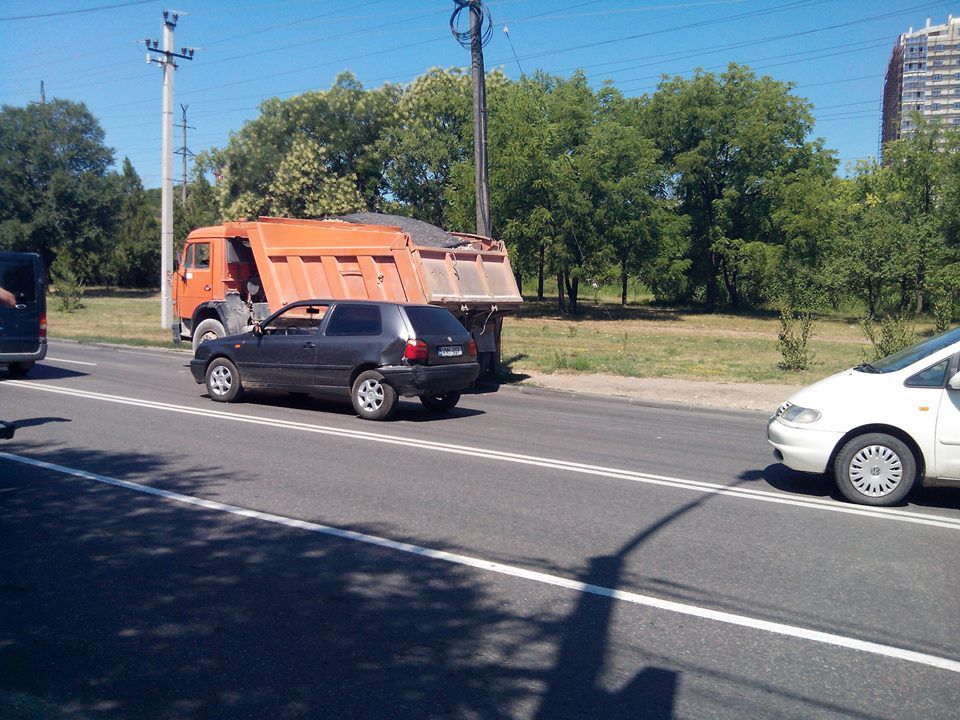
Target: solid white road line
[[75, 362], [549, 463], [888, 651]]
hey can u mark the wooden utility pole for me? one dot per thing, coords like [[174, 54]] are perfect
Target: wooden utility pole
[[477, 37]]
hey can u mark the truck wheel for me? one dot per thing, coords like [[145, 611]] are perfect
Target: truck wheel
[[373, 397], [440, 403], [19, 369], [208, 329], [223, 380], [875, 469]]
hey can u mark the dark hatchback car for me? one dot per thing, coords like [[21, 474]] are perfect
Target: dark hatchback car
[[372, 351], [23, 312]]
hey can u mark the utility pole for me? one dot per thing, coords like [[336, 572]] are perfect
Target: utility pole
[[476, 38], [166, 59], [184, 150], [43, 94]]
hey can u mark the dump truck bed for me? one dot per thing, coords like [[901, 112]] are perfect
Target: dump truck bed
[[300, 259]]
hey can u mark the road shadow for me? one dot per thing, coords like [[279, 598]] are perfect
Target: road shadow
[[42, 371], [407, 410], [37, 421], [814, 485]]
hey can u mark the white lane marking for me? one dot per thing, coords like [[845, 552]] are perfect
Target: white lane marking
[[75, 362], [564, 465], [775, 628]]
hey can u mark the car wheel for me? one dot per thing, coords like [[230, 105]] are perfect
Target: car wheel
[[373, 397], [208, 329], [19, 369], [223, 380], [875, 469], [440, 403]]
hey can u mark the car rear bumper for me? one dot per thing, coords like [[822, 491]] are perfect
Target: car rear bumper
[[801, 448], [430, 379], [32, 356]]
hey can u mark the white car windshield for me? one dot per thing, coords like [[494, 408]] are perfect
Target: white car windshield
[[912, 354]]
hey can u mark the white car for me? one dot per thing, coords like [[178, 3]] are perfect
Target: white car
[[880, 427]]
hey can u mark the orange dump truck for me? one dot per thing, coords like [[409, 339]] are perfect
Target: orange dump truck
[[231, 275]]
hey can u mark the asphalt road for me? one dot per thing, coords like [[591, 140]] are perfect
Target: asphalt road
[[528, 556]]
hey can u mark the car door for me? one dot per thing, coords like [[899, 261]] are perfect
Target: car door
[[948, 428], [21, 277], [351, 337], [284, 354]]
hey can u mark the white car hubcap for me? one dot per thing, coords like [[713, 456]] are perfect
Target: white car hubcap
[[370, 394], [876, 471]]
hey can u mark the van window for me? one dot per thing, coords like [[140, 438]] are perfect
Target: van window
[[17, 275]]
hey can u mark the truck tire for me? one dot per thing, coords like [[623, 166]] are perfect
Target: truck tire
[[440, 403], [372, 396], [208, 329]]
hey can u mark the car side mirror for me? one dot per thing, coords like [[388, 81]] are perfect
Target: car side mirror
[[257, 329], [954, 382]]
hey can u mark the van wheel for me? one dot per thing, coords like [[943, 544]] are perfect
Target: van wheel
[[223, 380], [19, 369], [208, 329], [875, 469], [440, 403], [373, 397]]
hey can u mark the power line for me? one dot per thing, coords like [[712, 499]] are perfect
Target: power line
[[77, 12]]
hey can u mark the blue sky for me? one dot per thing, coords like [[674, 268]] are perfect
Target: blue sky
[[92, 51]]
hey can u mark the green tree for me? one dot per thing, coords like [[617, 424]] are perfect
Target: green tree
[[135, 257], [56, 194], [345, 121], [432, 133], [727, 140]]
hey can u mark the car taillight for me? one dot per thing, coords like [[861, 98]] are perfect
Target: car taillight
[[43, 325], [472, 348], [416, 350]]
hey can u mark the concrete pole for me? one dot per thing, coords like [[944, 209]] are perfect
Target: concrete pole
[[481, 178], [166, 188]]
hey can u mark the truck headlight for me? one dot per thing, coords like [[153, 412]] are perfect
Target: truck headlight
[[801, 415]]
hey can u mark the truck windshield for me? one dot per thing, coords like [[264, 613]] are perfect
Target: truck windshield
[[912, 354]]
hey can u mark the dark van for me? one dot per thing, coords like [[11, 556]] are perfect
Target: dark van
[[23, 312]]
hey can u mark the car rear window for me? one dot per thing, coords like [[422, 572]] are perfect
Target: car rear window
[[17, 276], [433, 321], [355, 320]]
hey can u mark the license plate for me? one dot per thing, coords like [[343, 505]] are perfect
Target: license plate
[[449, 351]]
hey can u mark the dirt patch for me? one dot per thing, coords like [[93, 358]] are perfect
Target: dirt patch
[[741, 396]]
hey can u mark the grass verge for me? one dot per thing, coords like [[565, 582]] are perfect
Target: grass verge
[[637, 341]]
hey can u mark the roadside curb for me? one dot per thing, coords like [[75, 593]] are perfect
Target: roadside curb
[[627, 400], [115, 346]]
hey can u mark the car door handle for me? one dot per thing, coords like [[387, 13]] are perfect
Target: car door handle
[[21, 307], [309, 345]]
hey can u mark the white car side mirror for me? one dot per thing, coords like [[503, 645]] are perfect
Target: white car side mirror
[[954, 382]]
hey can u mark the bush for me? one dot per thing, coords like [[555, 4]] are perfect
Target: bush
[[793, 339], [892, 334], [67, 287]]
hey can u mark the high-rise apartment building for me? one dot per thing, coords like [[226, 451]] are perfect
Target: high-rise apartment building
[[923, 76]]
